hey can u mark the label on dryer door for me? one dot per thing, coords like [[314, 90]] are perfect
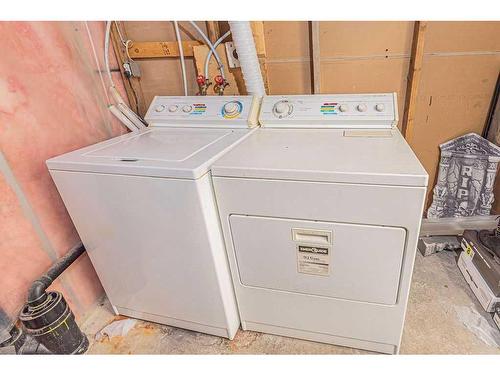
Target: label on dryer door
[[313, 260]]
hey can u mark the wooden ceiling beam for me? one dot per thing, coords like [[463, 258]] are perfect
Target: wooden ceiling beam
[[151, 50]]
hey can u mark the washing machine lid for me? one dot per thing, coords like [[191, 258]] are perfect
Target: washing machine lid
[[157, 152], [380, 157]]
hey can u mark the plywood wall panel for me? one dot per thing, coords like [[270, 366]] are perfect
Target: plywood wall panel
[[454, 96], [289, 78], [288, 57], [462, 37], [156, 31], [366, 76], [365, 38], [163, 76], [286, 39]]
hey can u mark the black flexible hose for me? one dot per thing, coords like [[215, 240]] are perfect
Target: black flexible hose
[[47, 317], [36, 293]]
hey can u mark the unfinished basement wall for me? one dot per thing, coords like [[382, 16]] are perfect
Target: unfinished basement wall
[[461, 64], [162, 76], [459, 72], [356, 57], [52, 100], [460, 67]]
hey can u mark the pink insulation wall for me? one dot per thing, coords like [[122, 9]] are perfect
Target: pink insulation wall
[[52, 100]]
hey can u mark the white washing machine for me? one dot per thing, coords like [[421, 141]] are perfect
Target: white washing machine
[[144, 206], [320, 210]]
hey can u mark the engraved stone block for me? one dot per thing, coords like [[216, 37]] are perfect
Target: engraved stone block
[[466, 177]]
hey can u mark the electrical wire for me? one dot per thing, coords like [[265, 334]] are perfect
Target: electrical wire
[[126, 49], [120, 34], [210, 45], [131, 115], [136, 99], [181, 55], [210, 53], [125, 43]]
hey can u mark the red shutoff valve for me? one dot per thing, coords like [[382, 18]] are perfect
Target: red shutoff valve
[[203, 84], [220, 84], [201, 80]]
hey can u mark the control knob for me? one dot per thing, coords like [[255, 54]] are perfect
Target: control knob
[[380, 107], [282, 109], [160, 108], [187, 108], [343, 108], [231, 109], [173, 108], [361, 107]]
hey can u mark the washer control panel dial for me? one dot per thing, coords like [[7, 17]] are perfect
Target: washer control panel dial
[[203, 111], [232, 109], [361, 107], [343, 108]]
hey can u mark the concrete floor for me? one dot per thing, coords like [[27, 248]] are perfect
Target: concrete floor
[[438, 297]]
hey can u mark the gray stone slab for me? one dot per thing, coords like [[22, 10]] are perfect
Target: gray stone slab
[[434, 244]]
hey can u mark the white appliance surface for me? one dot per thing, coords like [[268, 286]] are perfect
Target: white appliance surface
[[157, 151], [203, 111], [329, 155], [156, 246], [320, 210], [355, 111], [349, 270], [144, 206]]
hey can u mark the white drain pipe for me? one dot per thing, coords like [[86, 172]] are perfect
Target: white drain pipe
[[247, 54], [181, 56], [120, 103]]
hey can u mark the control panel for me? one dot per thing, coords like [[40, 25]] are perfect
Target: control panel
[[203, 111], [330, 111]]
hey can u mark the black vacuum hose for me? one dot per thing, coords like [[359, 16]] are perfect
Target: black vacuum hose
[[47, 317], [36, 293]]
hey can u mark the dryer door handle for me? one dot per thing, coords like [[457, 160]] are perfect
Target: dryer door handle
[[313, 236]]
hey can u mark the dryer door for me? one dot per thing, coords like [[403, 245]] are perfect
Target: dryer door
[[349, 261]]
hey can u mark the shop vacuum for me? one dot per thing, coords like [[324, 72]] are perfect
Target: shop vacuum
[[48, 325]]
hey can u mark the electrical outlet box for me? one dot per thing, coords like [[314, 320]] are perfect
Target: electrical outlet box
[[132, 69], [232, 55]]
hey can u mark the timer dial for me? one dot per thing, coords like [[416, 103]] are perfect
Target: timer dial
[[232, 109], [282, 109]]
